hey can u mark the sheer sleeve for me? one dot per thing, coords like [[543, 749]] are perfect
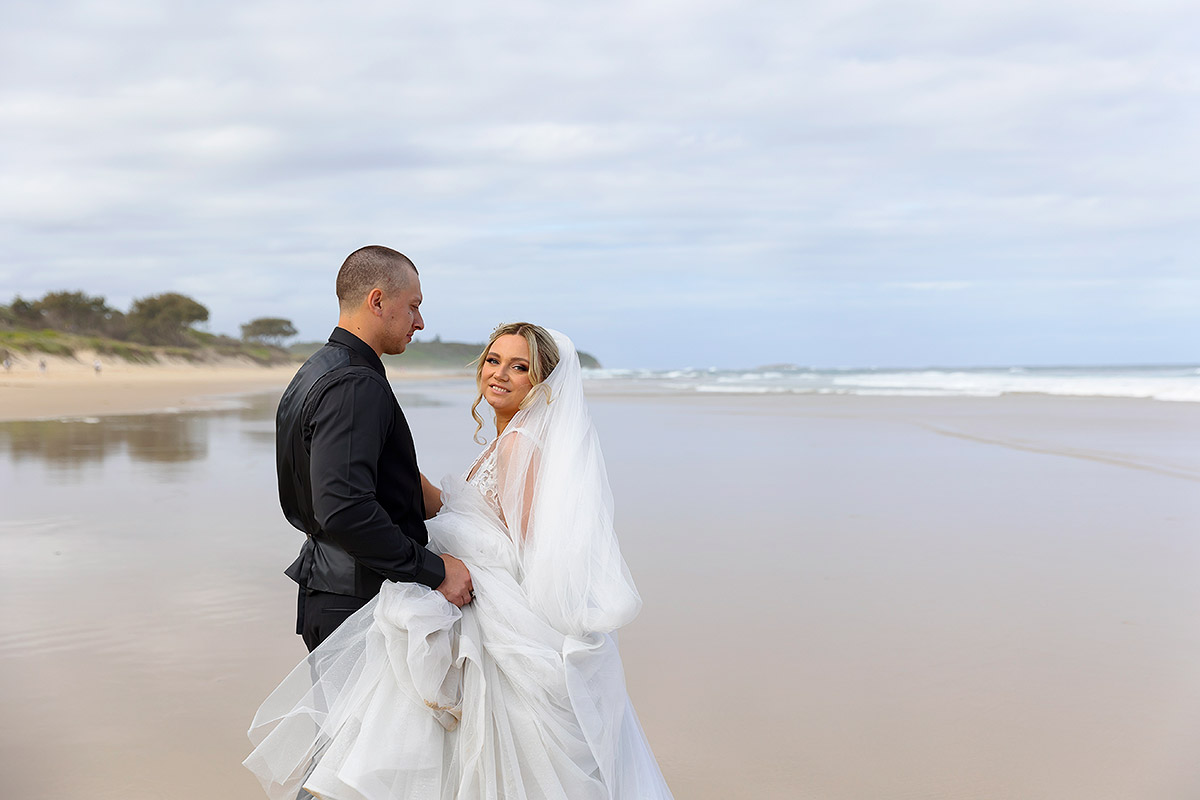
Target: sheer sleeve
[[517, 464], [557, 504]]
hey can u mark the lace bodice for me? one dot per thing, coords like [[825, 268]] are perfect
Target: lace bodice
[[482, 476]]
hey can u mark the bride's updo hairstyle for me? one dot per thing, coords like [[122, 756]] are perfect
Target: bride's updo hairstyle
[[543, 358]]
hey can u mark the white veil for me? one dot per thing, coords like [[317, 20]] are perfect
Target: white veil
[[557, 503], [521, 691]]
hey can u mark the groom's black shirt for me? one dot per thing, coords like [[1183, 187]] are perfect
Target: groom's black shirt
[[348, 475]]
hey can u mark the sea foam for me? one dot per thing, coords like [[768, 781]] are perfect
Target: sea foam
[[1170, 383]]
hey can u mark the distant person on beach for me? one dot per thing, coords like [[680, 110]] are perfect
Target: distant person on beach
[[42, 365], [7, 364], [96, 365], [521, 693], [346, 463]]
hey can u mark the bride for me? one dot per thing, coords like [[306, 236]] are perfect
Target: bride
[[519, 694]]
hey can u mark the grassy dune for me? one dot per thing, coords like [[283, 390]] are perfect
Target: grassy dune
[[207, 348]]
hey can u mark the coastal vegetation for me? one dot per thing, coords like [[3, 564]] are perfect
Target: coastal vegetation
[[162, 328], [156, 328]]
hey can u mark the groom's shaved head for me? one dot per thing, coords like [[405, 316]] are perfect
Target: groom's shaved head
[[368, 267]]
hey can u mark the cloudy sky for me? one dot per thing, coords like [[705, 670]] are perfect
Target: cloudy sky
[[673, 183]]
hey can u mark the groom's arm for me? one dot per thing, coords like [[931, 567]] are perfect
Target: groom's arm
[[350, 424]]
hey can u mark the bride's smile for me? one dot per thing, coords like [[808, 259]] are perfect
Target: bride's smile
[[505, 378]]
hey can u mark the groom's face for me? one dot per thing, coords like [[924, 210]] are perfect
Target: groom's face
[[402, 315]]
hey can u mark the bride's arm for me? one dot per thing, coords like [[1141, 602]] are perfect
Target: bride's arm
[[432, 496], [517, 461]]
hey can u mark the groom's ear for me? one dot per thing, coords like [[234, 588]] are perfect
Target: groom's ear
[[375, 301]]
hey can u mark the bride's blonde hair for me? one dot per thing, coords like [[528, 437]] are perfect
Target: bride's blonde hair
[[543, 358]]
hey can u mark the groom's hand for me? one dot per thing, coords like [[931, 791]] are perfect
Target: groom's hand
[[457, 586]]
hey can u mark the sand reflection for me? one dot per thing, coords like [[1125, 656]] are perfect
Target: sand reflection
[[78, 442], [852, 598]]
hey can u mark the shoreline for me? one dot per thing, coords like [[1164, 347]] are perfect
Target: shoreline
[[135, 390], [71, 388]]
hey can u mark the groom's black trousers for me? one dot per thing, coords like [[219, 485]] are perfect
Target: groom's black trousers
[[318, 614]]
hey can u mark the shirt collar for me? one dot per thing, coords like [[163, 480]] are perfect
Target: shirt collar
[[347, 339]]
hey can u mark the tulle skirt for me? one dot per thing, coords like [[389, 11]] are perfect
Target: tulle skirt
[[414, 698]]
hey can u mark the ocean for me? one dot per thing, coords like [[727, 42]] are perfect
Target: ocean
[[1169, 383]]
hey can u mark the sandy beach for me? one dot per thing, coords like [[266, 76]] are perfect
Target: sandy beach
[[845, 597], [74, 388]]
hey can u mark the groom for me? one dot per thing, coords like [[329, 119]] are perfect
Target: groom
[[346, 463]]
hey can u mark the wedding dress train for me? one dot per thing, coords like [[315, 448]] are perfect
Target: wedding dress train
[[518, 695]]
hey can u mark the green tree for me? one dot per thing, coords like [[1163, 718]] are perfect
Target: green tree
[[25, 312], [268, 330], [76, 312], [164, 318]]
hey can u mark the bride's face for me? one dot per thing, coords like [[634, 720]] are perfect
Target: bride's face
[[505, 379]]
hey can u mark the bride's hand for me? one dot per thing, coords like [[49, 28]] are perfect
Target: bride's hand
[[457, 586]]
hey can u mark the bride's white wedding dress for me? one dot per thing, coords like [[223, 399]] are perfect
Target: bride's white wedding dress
[[521, 693]]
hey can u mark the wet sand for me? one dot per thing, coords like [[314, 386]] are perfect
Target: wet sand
[[845, 597]]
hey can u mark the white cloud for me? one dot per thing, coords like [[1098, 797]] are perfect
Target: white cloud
[[551, 157], [932, 286]]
